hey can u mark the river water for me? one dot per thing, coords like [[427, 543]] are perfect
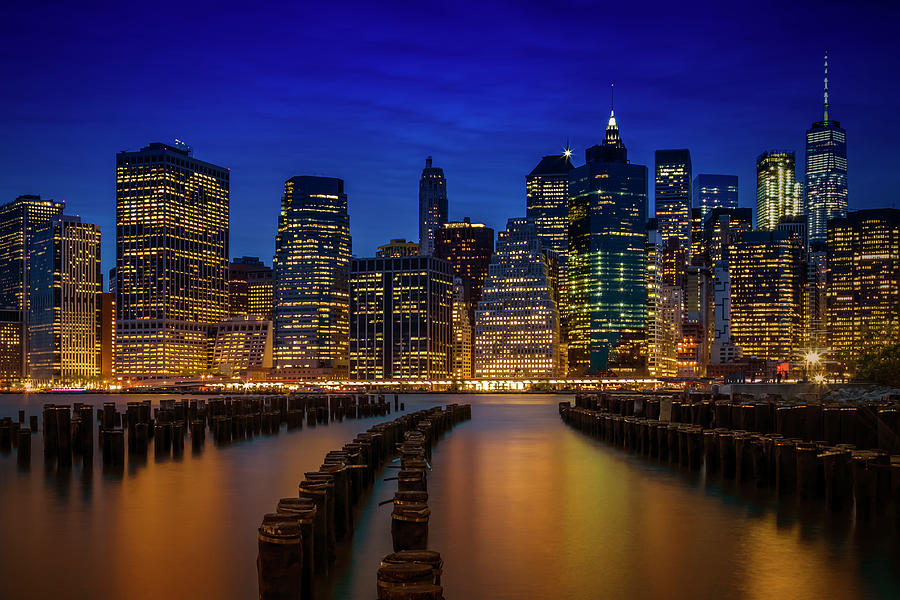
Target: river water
[[522, 507]]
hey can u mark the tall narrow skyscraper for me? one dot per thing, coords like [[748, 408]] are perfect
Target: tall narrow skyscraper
[[66, 287], [826, 172], [312, 260], [172, 215], [715, 191], [778, 193], [673, 196], [19, 220], [607, 259], [432, 205]]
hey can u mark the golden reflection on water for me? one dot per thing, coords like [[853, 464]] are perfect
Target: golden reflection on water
[[522, 507]]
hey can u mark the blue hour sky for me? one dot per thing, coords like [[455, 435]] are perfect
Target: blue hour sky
[[364, 91]]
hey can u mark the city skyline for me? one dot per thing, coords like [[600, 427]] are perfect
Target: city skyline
[[484, 148]]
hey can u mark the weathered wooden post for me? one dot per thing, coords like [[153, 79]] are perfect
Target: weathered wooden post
[[23, 448], [304, 511], [317, 493], [279, 562]]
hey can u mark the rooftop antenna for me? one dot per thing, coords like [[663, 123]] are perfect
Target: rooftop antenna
[[826, 86], [568, 151], [612, 99]]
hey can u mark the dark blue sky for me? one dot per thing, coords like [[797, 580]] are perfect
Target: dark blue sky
[[366, 91]]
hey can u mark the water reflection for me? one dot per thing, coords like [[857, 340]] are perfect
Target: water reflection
[[522, 507]]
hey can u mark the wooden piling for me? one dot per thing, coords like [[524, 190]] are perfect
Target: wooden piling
[[279, 561]]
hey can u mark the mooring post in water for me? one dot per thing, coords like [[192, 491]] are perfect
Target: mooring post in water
[[727, 454], [23, 448], [64, 437], [409, 526], [304, 511], [316, 492], [394, 577], [424, 557], [807, 471], [279, 562], [785, 466]]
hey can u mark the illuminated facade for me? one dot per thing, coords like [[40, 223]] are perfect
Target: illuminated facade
[[547, 203], [715, 191], [312, 261], [517, 322], [107, 335], [778, 193], [12, 334], [250, 288], [397, 247], [65, 302], [722, 229], [607, 260], [242, 347], [826, 172], [400, 318], [463, 333], [468, 247], [432, 205], [723, 349], [863, 280], [19, 220], [673, 197], [172, 215], [664, 312], [696, 333], [765, 295]]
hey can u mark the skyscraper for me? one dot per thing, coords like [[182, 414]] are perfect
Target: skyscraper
[[66, 286], [250, 288], [673, 196], [607, 259], [665, 305], [517, 322], [462, 334], [12, 334], [826, 172], [312, 259], [765, 295], [19, 220], [400, 310], [397, 247], [778, 193], [172, 215], [432, 205], [863, 280], [715, 191], [722, 229], [468, 247]]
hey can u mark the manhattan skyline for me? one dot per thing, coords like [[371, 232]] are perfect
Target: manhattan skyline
[[479, 97]]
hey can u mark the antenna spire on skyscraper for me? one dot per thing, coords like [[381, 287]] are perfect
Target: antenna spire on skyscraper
[[612, 99], [826, 85]]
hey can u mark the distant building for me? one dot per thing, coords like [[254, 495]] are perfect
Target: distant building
[[863, 281], [400, 318], [107, 335], [250, 288], [826, 172], [673, 196], [665, 305], [693, 347], [517, 321], [172, 217], [12, 334], [722, 229], [432, 205], [778, 193], [65, 302], [312, 260], [607, 260], [397, 247], [715, 191], [463, 333], [468, 247], [19, 220], [723, 349], [242, 347], [766, 280]]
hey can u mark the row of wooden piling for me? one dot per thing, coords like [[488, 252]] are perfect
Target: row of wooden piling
[[297, 542], [69, 429], [849, 480]]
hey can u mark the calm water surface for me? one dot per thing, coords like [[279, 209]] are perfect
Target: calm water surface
[[522, 507]]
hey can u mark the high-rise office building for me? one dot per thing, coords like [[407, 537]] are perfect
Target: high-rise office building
[[722, 228], [547, 203], [19, 220], [312, 261], [65, 302], [665, 305], [765, 295], [673, 196], [715, 191], [107, 335], [607, 259], [863, 281], [723, 349], [172, 214], [432, 205], [696, 330], [400, 311], [250, 288], [397, 247], [826, 172], [517, 321], [12, 334], [463, 333], [778, 193], [241, 347]]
